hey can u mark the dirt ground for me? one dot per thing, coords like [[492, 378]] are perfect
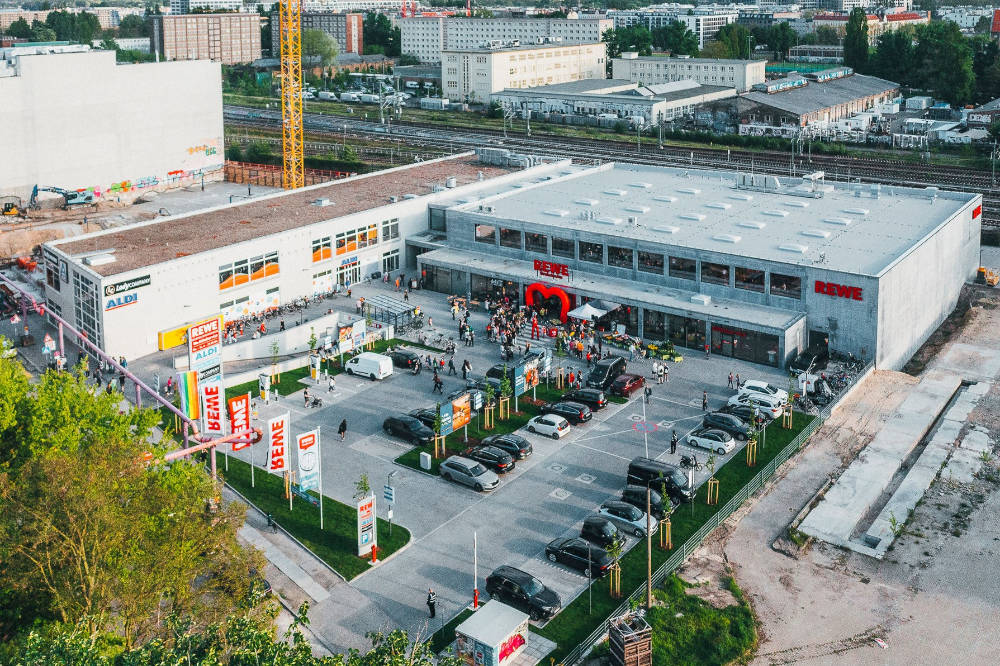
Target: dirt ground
[[936, 596]]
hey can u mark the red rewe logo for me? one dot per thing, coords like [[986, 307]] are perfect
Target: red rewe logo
[[278, 445], [838, 290], [213, 409], [535, 293]]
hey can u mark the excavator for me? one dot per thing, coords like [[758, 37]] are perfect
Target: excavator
[[70, 197]]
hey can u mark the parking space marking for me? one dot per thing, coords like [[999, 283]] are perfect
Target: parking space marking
[[602, 436], [590, 448], [586, 478], [692, 403], [560, 494], [667, 424]]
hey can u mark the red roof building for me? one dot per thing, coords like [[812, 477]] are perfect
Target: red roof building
[[995, 29]]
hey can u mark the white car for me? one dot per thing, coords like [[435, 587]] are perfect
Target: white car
[[549, 424], [712, 439], [763, 388], [766, 404]]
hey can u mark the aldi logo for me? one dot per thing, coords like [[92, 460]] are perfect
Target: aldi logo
[[121, 301]]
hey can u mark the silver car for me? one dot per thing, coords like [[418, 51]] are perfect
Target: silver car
[[628, 518], [469, 473]]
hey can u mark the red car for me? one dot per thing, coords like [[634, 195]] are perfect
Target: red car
[[626, 385]]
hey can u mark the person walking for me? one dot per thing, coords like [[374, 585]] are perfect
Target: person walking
[[342, 429], [666, 372], [331, 385], [451, 367], [730, 385], [704, 401], [655, 370], [438, 385], [305, 396], [706, 351], [649, 392], [737, 381], [472, 338], [466, 369], [673, 442], [431, 601]]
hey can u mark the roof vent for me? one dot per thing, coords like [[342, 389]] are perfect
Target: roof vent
[[839, 221], [741, 197], [816, 233], [410, 196], [794, 247], [99, 259], [727, 238], [697, 217], [586, 202], [718, 205], [557, 212], [393, 199], [701, 299], [616, 193], [667, 229], [614, 221], [637, 209], [666, 198], [322, 202], [776, 213], [857, 211], [643, 186], [439, 188], [797, 204], [689, 190], [750, 224], [451, 182]]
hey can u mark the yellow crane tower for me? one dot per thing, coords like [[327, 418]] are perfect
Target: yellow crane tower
[[293, 167]]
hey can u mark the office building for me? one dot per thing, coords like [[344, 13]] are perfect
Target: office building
[[648, 70], [231, 39]]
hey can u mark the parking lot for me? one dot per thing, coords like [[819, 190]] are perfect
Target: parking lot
[[545, 497]]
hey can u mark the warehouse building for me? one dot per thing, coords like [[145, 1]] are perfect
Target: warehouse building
[[79, 121], [754, 266], [648, 70], [616, 98], [232, 39], [474, 74]]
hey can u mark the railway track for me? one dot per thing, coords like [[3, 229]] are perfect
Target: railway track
[[864, 169]]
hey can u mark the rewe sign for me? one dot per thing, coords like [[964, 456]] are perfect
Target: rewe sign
[[838, 290], [239, 417], [211, 409], [277, 429]]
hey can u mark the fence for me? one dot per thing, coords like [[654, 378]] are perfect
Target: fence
[[270, 174], [677, 558]]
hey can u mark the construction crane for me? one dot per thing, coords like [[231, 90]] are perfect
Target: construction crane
[[293, 164]]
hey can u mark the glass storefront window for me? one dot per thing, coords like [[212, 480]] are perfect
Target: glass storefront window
[[536, 243], [788, 286], [744, 344], [592, 252], [654, 325], [714, 273], [686, 332], [750, 279], [510, 238], [486, 233], [495, 289], [619, 256], [682, 268], [437, 279], [651, 262], [563, 247]]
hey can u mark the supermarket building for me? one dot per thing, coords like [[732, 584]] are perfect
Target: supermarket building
[[755, 266]]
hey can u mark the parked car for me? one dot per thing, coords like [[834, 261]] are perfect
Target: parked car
[[636, 496], [493, 457], [404, 358], [425, 415], [523, 591], [712, 439], [409, 428], [655, 474], [549, 424], [812, 359], [589, 559], [573, 412], [593, 398], [469, 473], [752, 386], [767, 405], [497, 372], [481, 384], [731, 423], [627, 517], [600, 531], [515, 445], [746, 413], [626, 385], [605, 371]]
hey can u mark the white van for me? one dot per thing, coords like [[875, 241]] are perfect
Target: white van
[[371, 365]]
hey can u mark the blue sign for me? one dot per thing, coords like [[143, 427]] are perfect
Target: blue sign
[[121, 301], [446, 412], [389, 493], [296, 490]]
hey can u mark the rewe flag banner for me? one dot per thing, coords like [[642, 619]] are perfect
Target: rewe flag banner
[[308, 445], [212, 414], [277, 432], [239, 418]]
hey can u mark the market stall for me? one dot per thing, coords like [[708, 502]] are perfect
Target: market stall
[[495, 634]]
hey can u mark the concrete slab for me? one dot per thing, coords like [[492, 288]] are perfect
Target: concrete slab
[[978, 363], [285, 564], [977, 440], [963, 466]]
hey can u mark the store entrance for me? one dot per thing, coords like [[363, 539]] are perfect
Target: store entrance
[[723, 343], [819, 340], [348, 275]]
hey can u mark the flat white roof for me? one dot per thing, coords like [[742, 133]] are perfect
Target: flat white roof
[[704, 210]]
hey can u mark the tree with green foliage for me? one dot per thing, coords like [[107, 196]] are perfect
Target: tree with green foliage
[[318, 48], [90, 533], [995, 130], [827, 36], [893, 57], [362, 488], [781, 38], [634, 38], [983, 25], [20, 29], [943, 62], [349, 154], [986, 67], [856, 40], [736, 39], [133, 25], [677, 38], [73, 27], [41, 32], [379, 36]]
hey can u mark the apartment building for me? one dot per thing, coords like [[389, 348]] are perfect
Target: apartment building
[[185, 6], [652, 70], [345, 29], [231, 39], [704, 21], [473, 74], [877, 24], [427, 37]]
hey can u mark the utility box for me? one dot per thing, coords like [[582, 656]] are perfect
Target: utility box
[[425, 460], [631, 641]]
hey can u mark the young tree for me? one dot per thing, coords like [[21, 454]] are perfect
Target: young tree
[[318, 48], [856, 40], [362, 488], [677, 38]]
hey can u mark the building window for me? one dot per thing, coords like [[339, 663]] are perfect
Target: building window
[[510, 238], [620, 256], [592, 252], [52, 276], [750, 279], [390, 261], [486, 233], [682, 268], [651, 262], [321, 249], [788, 286], [563, 247], [536, 243], [714, 273], [86, 308], [390, 228], [437, 219]]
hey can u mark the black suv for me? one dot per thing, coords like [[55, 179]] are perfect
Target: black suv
[[409, 428], [573, 412], [605, 371], [404, 358], [653, 473], [600, 530], [492, 457], [496, 372], [636, 496], [726, 422], [745, 413], [515, 445], [425, 415], [578, 554], [593, 398], [523, 591]]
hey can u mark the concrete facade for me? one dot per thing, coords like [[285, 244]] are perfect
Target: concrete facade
[[649, 70], [231, 39], [79, 121], [475, 74]]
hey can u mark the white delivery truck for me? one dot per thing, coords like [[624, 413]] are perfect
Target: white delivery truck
[[328, 96], [348, 97], [371, 365]]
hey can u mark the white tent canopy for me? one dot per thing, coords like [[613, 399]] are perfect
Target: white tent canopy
[[586, 312]]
